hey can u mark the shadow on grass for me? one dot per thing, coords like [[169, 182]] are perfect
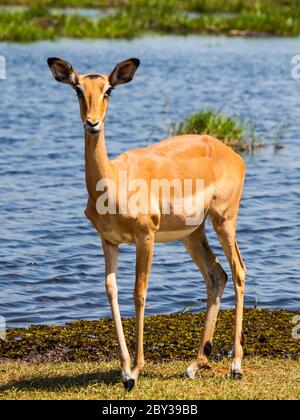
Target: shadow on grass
[[58, 382]]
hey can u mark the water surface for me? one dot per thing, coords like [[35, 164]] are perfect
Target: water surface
[[69, 11]]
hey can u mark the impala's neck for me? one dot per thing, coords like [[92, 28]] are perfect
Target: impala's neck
[[97, 164]]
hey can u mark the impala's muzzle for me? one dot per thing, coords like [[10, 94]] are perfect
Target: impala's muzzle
[[92, 126]]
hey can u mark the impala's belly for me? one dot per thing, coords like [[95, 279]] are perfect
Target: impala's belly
[[160, 236], [177, 227], [172, 226], [173, 235]]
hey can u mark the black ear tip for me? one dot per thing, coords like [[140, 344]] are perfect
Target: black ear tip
[[136, 61], [51, 60]]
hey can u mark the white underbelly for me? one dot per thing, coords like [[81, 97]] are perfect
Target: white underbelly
[[170, 236]]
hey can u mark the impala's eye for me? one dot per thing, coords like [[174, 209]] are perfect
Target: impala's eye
[[108, 92], [79, 92]]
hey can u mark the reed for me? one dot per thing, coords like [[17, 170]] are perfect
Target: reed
[[241, 136]]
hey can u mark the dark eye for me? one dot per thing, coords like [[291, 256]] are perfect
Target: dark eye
[[108, 92], [79, 92]]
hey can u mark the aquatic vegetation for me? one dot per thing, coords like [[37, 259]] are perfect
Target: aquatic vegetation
[[167, 337], [239, 135], [137, 17]]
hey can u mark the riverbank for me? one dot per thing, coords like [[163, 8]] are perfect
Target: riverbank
[[80, 360], [167, 338], [140, 17], [264, 379]]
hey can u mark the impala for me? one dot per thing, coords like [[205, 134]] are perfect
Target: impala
[[181, 157]]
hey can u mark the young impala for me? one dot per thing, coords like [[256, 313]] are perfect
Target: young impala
[[177, 158]]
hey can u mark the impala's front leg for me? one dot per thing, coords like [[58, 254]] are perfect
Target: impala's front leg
[[144, 250], [111, 265]]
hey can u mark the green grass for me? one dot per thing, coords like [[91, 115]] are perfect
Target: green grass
[[264, 378], [239, 135], [138, 17]]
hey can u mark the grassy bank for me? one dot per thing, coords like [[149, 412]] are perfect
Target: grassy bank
[[167, 338], [80, 360], [137, 17], [264, 379]]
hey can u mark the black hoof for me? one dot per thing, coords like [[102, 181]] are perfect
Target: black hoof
[[129, 385], [237, 376]]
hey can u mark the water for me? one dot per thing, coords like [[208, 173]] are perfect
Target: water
[[95, 14], [196, 15], [52, 267], [69, 11], [85, 12]]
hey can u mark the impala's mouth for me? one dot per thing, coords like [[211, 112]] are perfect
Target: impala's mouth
[[93, 129]]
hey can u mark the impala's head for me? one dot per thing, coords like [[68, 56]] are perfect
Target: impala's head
[[93, 90]]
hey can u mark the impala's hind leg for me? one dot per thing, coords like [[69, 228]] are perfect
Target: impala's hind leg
[[215, 279], [225, 226]]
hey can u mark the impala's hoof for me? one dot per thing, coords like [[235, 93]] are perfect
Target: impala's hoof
[[236, 376], [190, 372], [129, 384]]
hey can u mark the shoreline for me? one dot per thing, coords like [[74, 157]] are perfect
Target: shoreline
[[138, 18], [267, 333]]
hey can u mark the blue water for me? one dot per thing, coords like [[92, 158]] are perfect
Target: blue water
[[51, 263], [69, 11]]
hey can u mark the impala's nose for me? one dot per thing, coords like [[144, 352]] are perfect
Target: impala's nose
[[92, 126]]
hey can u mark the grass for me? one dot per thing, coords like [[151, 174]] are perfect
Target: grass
[[138, 17], [234, 133], [264, 378]]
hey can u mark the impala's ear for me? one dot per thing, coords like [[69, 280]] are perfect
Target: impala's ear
[[63, 71], [124, 72]]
